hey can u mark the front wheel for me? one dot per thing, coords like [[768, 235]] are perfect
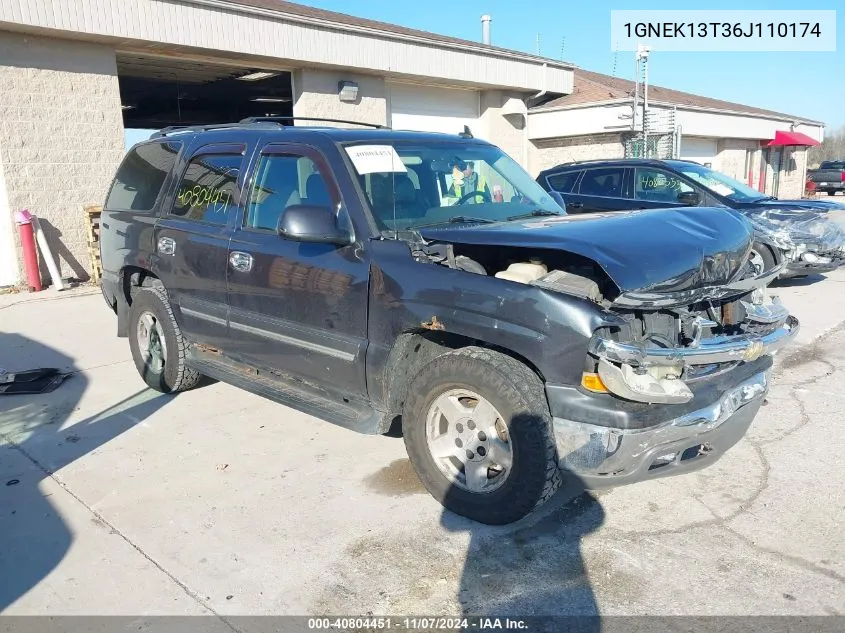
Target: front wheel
[[831, 193], [156, 342], [479, 434], [762, 258]]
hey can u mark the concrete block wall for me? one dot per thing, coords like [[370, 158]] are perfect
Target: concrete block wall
[[793, 173], [316, 95], [548, 153], [732, 158], [505, 130], [61, 137]]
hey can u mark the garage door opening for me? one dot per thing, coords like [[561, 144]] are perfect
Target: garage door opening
[[156, 92]]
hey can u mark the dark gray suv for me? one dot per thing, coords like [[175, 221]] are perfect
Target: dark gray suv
[[370, 278]]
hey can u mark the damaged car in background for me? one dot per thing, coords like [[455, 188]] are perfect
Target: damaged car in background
[[796, 235], [376, 277]]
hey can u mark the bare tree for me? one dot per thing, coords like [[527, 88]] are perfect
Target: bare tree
[[832, 148]]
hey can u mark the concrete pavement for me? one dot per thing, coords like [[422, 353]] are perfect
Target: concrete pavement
[[220, 502]]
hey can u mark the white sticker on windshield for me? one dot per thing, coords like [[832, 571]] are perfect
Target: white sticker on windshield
[[374, 159]]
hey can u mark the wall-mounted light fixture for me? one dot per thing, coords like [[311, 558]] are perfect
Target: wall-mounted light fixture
[[347, 91]]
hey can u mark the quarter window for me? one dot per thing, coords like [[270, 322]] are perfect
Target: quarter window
[[602, 182], [658, 186], [141, 176], [209, 189], [563, 182], [282, 181]]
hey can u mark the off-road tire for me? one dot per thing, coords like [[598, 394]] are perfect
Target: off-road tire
[[176, 375], [518, 394]]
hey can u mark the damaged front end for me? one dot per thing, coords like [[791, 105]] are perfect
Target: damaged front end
[[809, 241], [658, 353]]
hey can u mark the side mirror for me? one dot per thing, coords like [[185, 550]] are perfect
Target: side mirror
[[689, 198], [555, 195], [311, 223]]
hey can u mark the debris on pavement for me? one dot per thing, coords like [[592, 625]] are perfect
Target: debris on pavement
[[31, 381]]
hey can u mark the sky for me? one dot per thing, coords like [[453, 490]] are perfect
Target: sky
[[809, 85]]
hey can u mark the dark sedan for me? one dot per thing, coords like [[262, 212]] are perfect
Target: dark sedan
[[798, 233]]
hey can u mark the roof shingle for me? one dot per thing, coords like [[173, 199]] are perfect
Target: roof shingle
[[593, 87], [301, 10]]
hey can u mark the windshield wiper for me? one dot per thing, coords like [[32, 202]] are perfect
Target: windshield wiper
[[535, 213], [458, 219]]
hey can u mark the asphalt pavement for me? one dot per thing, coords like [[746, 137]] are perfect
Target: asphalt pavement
[[117, 500]]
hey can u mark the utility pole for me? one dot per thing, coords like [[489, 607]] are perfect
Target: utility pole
[[642, 62], [538, 43]]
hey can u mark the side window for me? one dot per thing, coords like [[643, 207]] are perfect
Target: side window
[[209, 189], [141, 176], [563, 182], [283, 180], [602, 182], [658, 186]]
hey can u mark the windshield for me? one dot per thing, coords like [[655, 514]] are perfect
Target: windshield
[[719, 183], [414, 184]]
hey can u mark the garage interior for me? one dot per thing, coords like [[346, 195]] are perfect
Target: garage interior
[[156, 92]]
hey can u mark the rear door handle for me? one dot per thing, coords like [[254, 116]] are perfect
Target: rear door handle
[[166, 245], [240, 261], [575, 205]]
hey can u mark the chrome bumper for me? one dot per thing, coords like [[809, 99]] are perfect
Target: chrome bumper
[[721, 349], [603, 456]]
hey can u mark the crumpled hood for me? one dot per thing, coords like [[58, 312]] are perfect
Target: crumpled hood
[[796, 205], [793, 225], [659, 250]]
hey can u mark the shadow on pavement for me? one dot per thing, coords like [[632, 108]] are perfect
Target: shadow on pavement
[[797, 282], [534, 567], [33, 446]]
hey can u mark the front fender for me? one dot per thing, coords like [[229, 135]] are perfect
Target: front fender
[[549, 330]]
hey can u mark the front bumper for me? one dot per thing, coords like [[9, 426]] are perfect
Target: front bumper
[[602, 456], [714, 350], [809, 262]]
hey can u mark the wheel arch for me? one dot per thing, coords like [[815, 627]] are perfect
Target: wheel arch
[[130, 280], [413, 349]]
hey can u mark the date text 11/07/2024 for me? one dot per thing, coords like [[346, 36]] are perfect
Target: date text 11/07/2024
[[722, 29], [417, 624]]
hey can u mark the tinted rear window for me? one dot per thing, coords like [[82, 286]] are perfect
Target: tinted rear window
[[602, 182], [209, 189], [141, 175], [563, 182], [829, 164]]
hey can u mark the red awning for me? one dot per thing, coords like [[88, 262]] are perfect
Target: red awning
[[792, 138]]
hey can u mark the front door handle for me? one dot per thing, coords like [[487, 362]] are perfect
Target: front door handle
[[575, 205], [240, 261], [166, 245]]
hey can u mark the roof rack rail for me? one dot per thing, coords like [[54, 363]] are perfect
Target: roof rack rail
[[253, 120], [172, 129], [278, 119]]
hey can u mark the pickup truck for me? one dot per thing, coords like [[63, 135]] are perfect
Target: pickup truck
[[358, 275], [829, 177]]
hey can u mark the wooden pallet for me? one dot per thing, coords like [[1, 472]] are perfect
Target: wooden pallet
[[92, 215]]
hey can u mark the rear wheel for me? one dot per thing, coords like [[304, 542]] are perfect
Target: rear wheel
[[156, 342], [479, 434], [831, 193]]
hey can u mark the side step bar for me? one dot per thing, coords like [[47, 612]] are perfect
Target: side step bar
[[292, 393]]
